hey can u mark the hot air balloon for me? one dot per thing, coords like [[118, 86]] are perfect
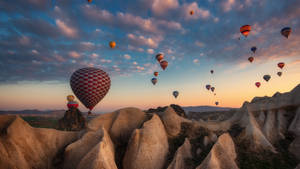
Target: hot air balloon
[[89, 1], [279, 73], [90, 85], [217, 103], [159, 57], [112, 44], [155, 73], [251, 59], [163, 64], [280, 65], [70, 98], [154, 81], [257, 84], [72, 104], [245, 30], [208, 87], [267, 77], [215, 94], [175, 94], [212, 89], [211, 71], [286, 32], [191, 12], [253, 49]]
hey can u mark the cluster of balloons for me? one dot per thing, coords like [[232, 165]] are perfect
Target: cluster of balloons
[[245, 30], [211, 88], [163, 64], [71, 102]]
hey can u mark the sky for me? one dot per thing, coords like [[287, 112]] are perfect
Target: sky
[[42, 42]]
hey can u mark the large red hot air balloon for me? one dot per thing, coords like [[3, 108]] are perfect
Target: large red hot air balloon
[[257, 84], [159, 57], [245, 30], [280, 65], [163, 64], [90, 85]]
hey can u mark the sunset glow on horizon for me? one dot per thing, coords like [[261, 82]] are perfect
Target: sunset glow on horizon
[[42, 44]]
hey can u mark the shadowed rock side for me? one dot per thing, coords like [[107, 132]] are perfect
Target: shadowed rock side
[[148, 146], [222, 155], [179, 111], [183, 153], [73, 120], [22, 146]]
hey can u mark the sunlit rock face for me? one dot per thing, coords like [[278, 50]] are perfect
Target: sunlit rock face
[[22, 146]]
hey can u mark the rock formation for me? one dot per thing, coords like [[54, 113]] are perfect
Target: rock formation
[[22, 146], [73, 120], [183, 153], [148, 146]]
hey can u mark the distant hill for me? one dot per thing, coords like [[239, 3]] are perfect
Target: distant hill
[[34, 112], [205, 109]]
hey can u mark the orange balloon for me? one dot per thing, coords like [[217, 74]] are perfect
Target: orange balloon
[[112, 44], [89, 1], [155, 73], [245, 30], [192, 12], [159, 57]]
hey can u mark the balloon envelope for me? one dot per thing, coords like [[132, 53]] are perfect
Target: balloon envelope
[[175, 94], [159, 57], [280, 65], [217, 103], [112, 44], [155, 73], [245, 30], [208, 87], [163, 64], [90, 85], [267, 77], [279, 73], [253, 49], [191, 12], [286, 32], [70, 97], [251, 59], [257, 84], [212, 89], [211, 71], [154, 81]]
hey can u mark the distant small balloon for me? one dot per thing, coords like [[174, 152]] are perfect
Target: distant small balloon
[[251, 59], [154, 81], [89, 1], [257, 84], [70, 97], [175, 94], [208, 87], [212, 89], [280, 65], [191, 12], [159, 57], [279, 73], [163, 64], [245, 30], [267, 77], [155, 74], [112, 44], [217, 103], [286, 32], [253, 49], [211, 71]]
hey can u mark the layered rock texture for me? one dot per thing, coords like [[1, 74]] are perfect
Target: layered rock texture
[[262, 134], [73, 120]]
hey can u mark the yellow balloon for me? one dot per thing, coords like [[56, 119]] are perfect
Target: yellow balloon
[[112, 44], [70, 98]]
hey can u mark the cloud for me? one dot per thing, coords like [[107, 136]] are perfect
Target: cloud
[[126, 56], [198, 12], [130, 47], [65, 29], [160, 7], [94, 55], [199, 44], [227, 5], [24, 40], [150, 51], [74, 54], [87, 45], [134, 63], [34, 51], [196, 60], [105, 61], [141, 40], [140, 68]]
